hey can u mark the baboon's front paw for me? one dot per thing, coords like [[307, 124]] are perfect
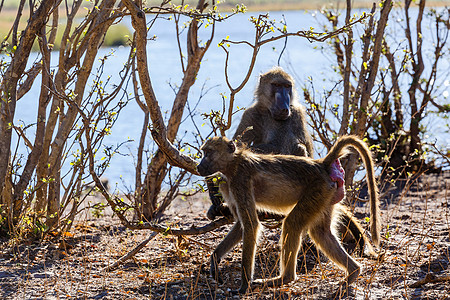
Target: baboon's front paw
[[216, 276], [218, 211], [242, 290], [212, 212], [236, 293], [214, 272], [218, 279], [379, 256], [343, 291], [353, 276]]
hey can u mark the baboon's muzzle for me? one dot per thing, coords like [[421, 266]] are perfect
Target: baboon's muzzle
[[202, 170]]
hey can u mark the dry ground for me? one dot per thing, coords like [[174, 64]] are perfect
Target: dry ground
[[416, 230]]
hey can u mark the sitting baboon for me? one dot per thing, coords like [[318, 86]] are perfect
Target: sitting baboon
[[275, 124], [298, 187], [276, 117]]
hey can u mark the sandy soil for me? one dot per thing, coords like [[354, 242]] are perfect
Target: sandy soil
[[416, 238]]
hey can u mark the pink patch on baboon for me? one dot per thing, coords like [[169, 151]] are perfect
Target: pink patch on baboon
[[337, 174]]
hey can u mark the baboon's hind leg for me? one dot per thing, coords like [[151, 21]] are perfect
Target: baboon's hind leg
[[294, 227], [347, 223], [329, 244]]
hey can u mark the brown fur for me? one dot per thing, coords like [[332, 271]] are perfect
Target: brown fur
[[268, 135], [290, 136], [259, 130], [298, 187]]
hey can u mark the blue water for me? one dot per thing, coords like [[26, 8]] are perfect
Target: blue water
[[300, 58]]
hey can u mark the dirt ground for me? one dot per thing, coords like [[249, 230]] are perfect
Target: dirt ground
[[416, 241]]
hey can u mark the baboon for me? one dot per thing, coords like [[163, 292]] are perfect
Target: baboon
[[276, 117], [275, 123], [298, 187], [278, 126]]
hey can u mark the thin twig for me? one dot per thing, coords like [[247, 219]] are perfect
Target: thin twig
[[429, 278], [131, 253]]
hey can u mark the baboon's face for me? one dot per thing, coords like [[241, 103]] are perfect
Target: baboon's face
[[281, 93], [217, 153], [278, 91]]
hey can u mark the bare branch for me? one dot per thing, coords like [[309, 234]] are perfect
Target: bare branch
[[159, 131], [263, 26], [429, 278], [348, 46], [130, 254], [376, 53]]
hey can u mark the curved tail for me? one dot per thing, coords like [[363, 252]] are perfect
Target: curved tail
[[338, 150]]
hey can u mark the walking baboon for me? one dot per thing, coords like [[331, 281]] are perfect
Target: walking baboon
[[278, 126], [298, 187]]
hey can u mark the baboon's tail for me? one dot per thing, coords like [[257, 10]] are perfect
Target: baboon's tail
[[338, 150]]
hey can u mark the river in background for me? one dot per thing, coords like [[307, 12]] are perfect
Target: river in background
[[300, 59]]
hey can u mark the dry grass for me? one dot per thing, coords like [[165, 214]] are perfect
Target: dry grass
[[417, 243]]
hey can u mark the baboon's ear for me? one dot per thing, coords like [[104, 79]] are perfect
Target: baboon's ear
[[231, 147]]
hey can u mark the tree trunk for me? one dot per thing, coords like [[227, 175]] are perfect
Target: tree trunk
[[98, 30], [367, 87], [44, 98], [9, 85], [418, 67], [157, 168]]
